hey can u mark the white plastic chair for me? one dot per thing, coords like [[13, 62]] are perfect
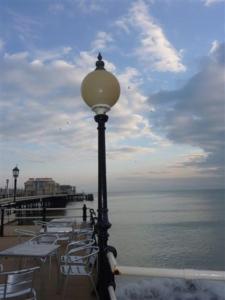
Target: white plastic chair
[[21, 233], [84, 234], [82, 265], [80, 243], [45, 238], [18, 284], [40, 224], [75, 246]]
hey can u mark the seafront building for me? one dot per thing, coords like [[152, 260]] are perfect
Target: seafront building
[[67, 189], [46, 186], [41, 186]]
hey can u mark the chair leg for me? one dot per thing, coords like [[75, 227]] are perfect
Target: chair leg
[[64, 288], [94, 286], [60, 284], [34, 294], [50, 267]]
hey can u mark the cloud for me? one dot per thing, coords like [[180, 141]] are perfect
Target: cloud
[[41, 106], [127, 152], [56, 8], [45, 55], [103, 39], [214, 48], [25, 26], [70, 7], [211, 2], [194, 114], [155, 50], [89, 6]]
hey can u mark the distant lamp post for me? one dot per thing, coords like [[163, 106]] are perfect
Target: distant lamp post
[[100, 90], [15, 175]]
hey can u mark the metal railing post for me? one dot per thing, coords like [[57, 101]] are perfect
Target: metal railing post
[[18, 213], [84, 213], [44, 213], [2, 222]]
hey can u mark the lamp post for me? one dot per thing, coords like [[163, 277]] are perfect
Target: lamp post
[[100, 90], [15, 175]]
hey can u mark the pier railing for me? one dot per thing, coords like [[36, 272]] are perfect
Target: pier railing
[[189, 274], [22, 215]]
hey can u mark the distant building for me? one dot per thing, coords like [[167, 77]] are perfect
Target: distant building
[[41, 186], [67, 189]]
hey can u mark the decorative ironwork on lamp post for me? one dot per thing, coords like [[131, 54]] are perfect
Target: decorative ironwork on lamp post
[[100, 90], [15, 175]]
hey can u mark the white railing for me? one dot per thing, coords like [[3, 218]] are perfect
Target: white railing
[[160, 272], [111, 291]]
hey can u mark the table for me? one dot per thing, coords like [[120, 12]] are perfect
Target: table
[[36, 250], [56, 229], [62, 230], [69, 221], [30, 249]]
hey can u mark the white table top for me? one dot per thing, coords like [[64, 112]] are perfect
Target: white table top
[[67, 221], [30, 249], [83, 230], [56, 229]]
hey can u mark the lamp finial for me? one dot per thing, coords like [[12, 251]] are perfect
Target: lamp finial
[[100, 63]]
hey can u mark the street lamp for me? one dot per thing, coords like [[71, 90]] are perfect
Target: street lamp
[[15, 175], [100, 90]]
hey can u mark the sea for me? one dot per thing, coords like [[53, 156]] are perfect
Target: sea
[[169, 229]]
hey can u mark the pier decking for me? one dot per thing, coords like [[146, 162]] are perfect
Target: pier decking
[[46, 285]]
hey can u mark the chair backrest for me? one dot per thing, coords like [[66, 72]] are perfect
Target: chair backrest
[[40, 225], [81, 243], [91, 259], [24, 233], [17, 283], [45, 238], [60, 224], [86, 256], [85, 234], [39, 222]]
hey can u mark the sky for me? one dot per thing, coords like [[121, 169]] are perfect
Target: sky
[[166, 130]]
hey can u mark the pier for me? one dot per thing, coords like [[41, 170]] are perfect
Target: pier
[[55, 200]]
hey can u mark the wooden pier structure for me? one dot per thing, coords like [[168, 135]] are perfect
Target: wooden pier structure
[[55, 200]]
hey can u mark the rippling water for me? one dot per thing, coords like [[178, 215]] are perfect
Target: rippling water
[[168, 289], [169, 230]]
